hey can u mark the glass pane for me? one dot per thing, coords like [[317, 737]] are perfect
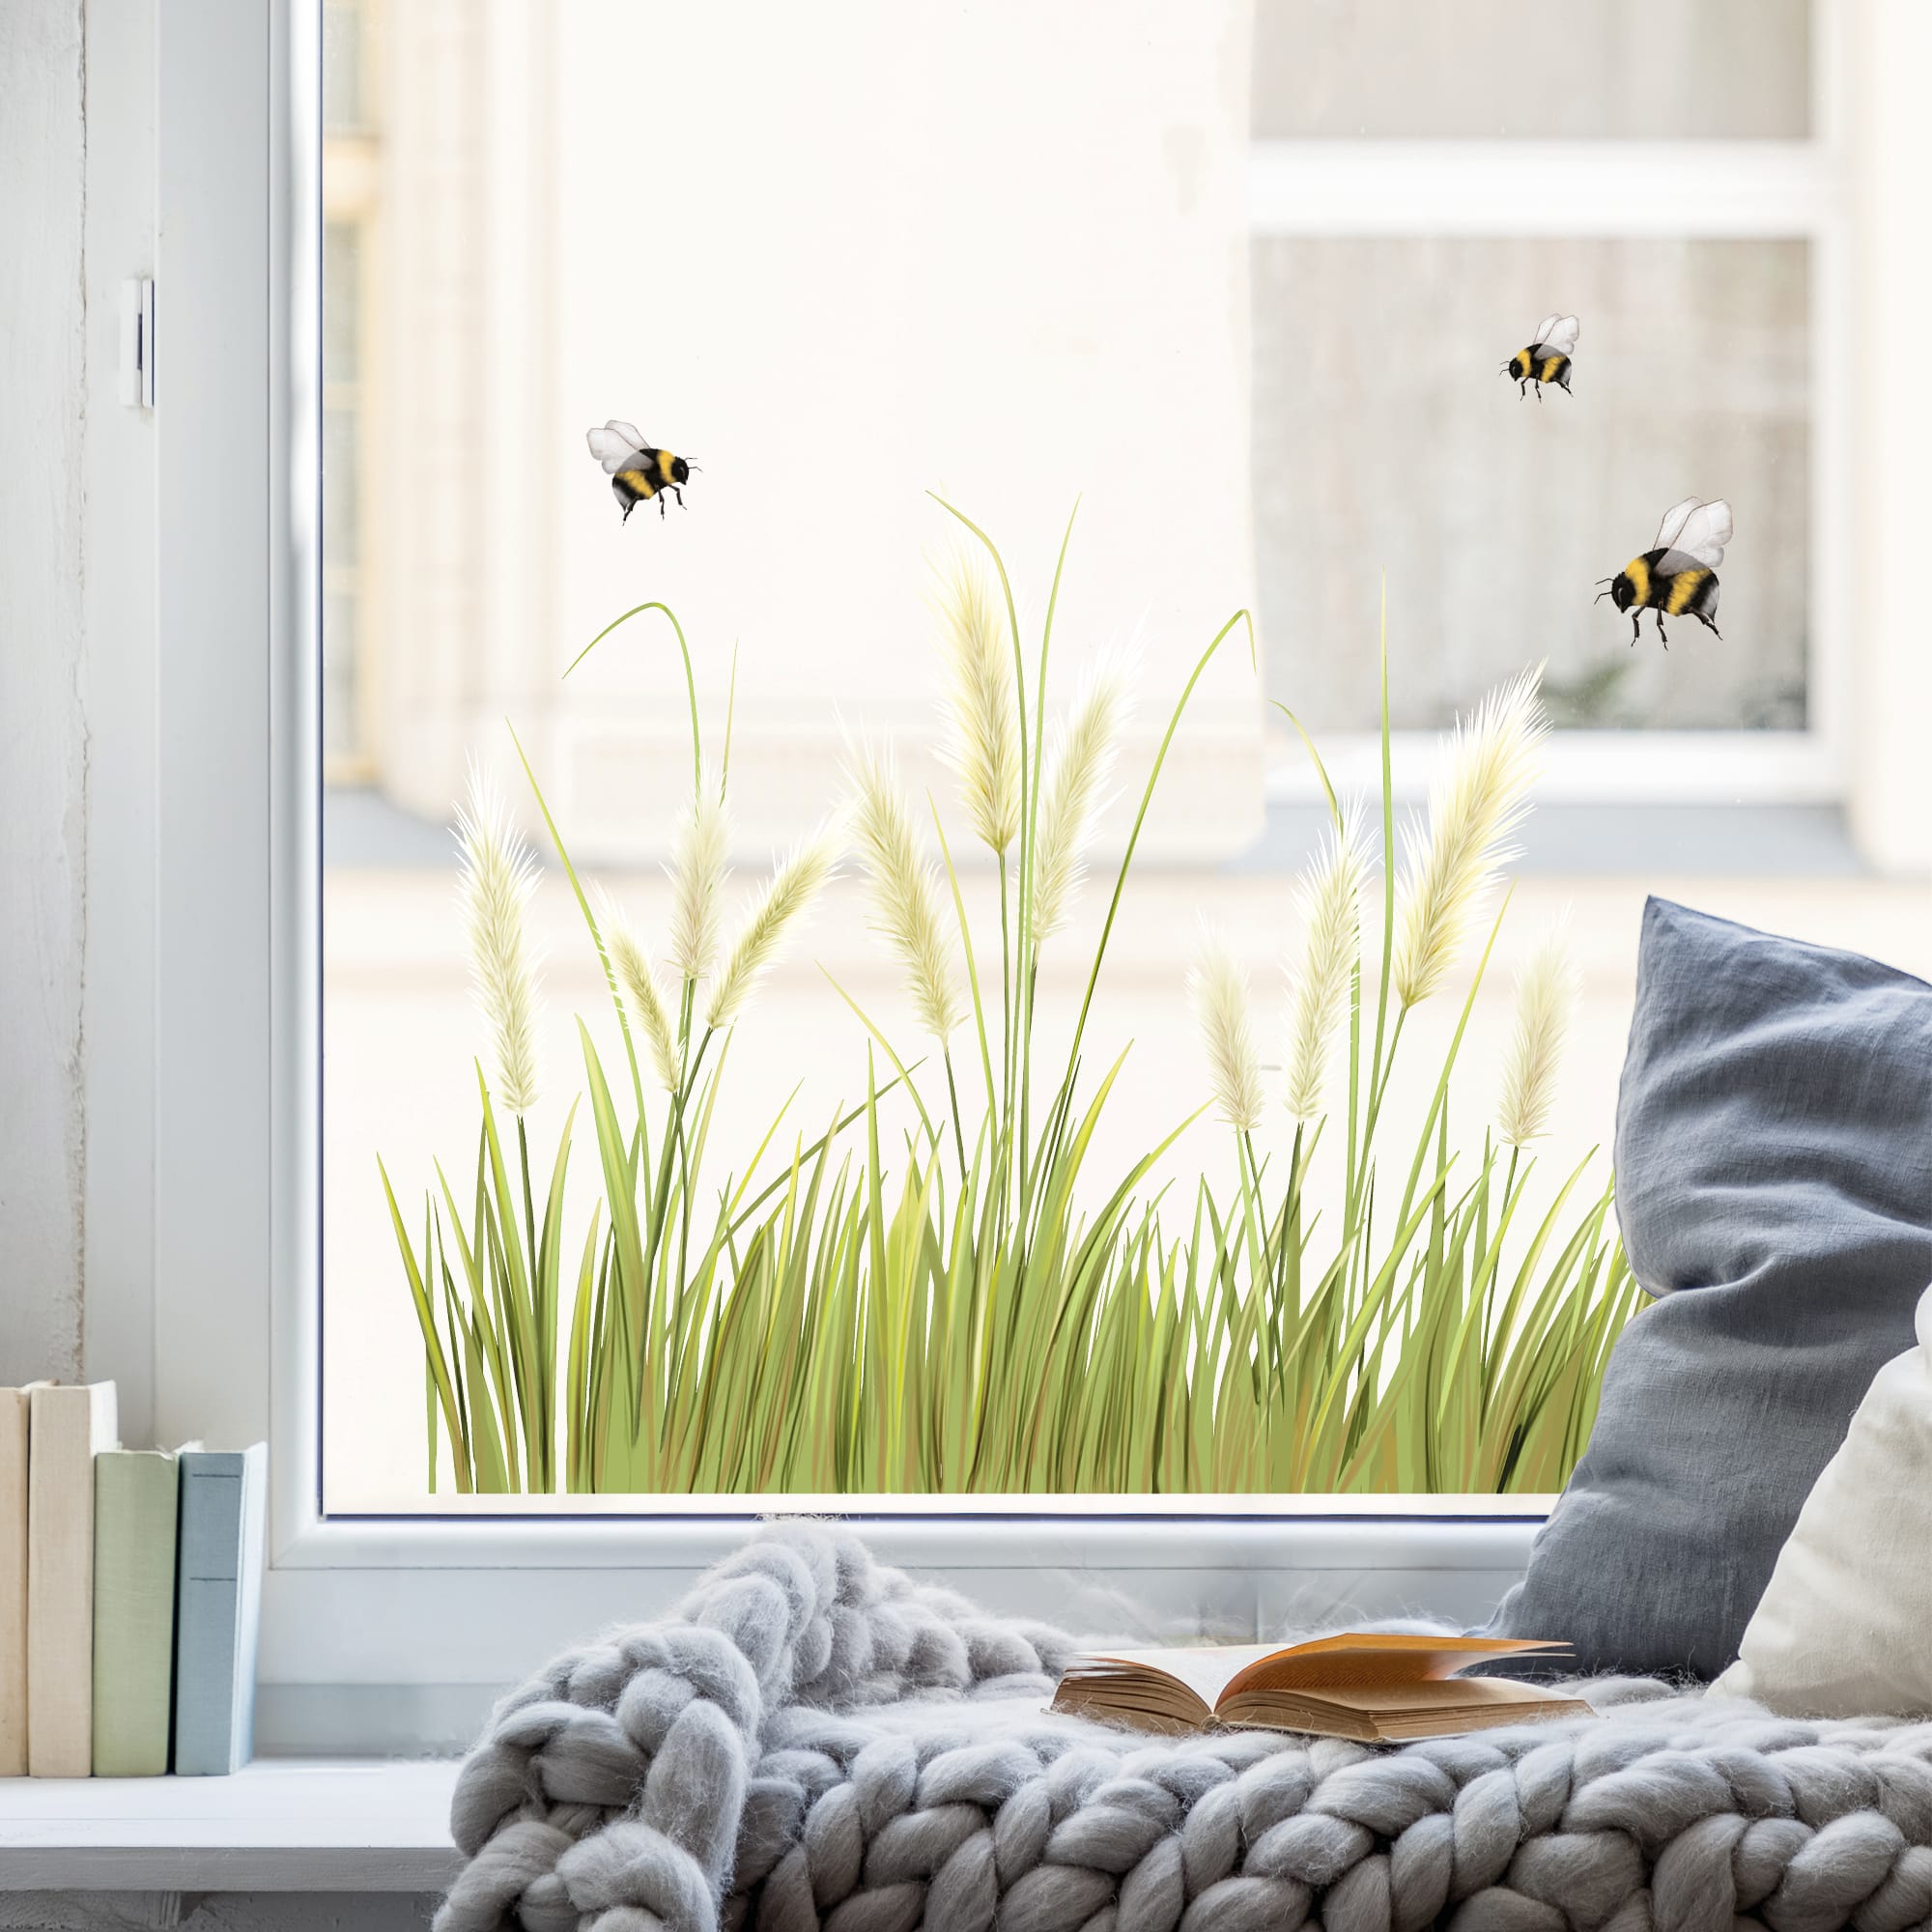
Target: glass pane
[[1421, 70], [1393, 448], [342, 491], [344, 54], [810, 267]]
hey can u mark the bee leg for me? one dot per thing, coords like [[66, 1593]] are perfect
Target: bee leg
[[628, 508], [1636, 621], [678, 494], [1663, 638], [1539, 393], [661, 504], [1709, 626]]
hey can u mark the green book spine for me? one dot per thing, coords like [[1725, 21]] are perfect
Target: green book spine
[[136, 1497]]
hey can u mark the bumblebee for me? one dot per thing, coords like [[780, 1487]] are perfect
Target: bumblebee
[[637, 472], [1547, 359], [1678, 577]]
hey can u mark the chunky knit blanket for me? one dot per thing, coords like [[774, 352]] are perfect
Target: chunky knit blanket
[[817, 1740]]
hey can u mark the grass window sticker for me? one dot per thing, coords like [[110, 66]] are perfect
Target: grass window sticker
[[957, 1303]]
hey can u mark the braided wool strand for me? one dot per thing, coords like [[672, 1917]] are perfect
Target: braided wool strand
[[815, 1741]]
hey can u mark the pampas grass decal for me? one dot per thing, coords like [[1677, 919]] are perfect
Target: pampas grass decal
[[773, 913], [982, 740], [1218, 990], [640, 982], [905, 890], [698, 883], [496, 879], [1329, 902], [1083, 756], [966, 1307], [1545, 996], [1478, 801]]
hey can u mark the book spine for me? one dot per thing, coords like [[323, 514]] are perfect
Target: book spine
[[217, 1609], [64, 1426], [13, 1582], [249, 1640], [134, 1514]]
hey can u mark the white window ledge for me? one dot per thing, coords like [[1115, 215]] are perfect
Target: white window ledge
[[279, 1824]]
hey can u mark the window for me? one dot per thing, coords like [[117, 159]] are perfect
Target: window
[[502, 268], [370, 1631]]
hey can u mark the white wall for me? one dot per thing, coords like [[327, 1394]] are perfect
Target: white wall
[[43, 749]]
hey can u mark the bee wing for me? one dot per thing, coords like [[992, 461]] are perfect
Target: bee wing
[[1674, 520], [1544, 327], [1559, 334], [1701, 530], [614, 444]]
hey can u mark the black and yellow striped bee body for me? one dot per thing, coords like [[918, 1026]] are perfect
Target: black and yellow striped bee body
[[1540, 363], [656, 471], [1648, 582], [637, 472], [1678, 577], [1547, 359]]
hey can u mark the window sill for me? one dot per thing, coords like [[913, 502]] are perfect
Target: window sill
[[279, 1824]]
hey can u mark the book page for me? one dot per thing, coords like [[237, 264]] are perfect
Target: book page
[[1369, 1658], [1331, 1662], [1206, 1671], [1439, 1693]]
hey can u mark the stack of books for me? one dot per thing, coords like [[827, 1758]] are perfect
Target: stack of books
[[130, 1594]]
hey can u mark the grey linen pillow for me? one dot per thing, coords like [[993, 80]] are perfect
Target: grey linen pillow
[[1774, 1157]]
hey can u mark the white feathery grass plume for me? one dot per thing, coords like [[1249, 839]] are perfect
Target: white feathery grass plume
[[1218, 988], [1479, 798], [799, 879], [640, 982], [697, 883], [1547, 990], [1329, 902], [1085, 742], [982, 739], [495, 878], [905, 890]]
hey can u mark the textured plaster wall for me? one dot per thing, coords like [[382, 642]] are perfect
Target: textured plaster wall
[[42, 725]]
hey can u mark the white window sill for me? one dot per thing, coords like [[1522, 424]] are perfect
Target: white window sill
[[279, 1824]]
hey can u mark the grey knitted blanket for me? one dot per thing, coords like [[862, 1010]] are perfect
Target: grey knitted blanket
[[815, 1739]]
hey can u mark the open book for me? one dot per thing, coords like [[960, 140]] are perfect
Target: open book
[[1355, 1686]]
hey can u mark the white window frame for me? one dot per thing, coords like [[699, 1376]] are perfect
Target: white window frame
[[391, 1633], [1718, 189]]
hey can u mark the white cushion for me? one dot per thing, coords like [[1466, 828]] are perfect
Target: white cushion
[[1842, 1629]]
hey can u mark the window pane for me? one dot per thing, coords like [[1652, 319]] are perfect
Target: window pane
[[1418, 70], [342, 492], [810, 267], [343, 57], [1385, 443]]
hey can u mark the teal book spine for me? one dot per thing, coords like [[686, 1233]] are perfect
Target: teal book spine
[[218, 1607]]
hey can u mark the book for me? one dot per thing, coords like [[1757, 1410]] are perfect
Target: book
[[218, 1607], [137, 1493], [14, 1582], [67, 1427], [1362, 1685]]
